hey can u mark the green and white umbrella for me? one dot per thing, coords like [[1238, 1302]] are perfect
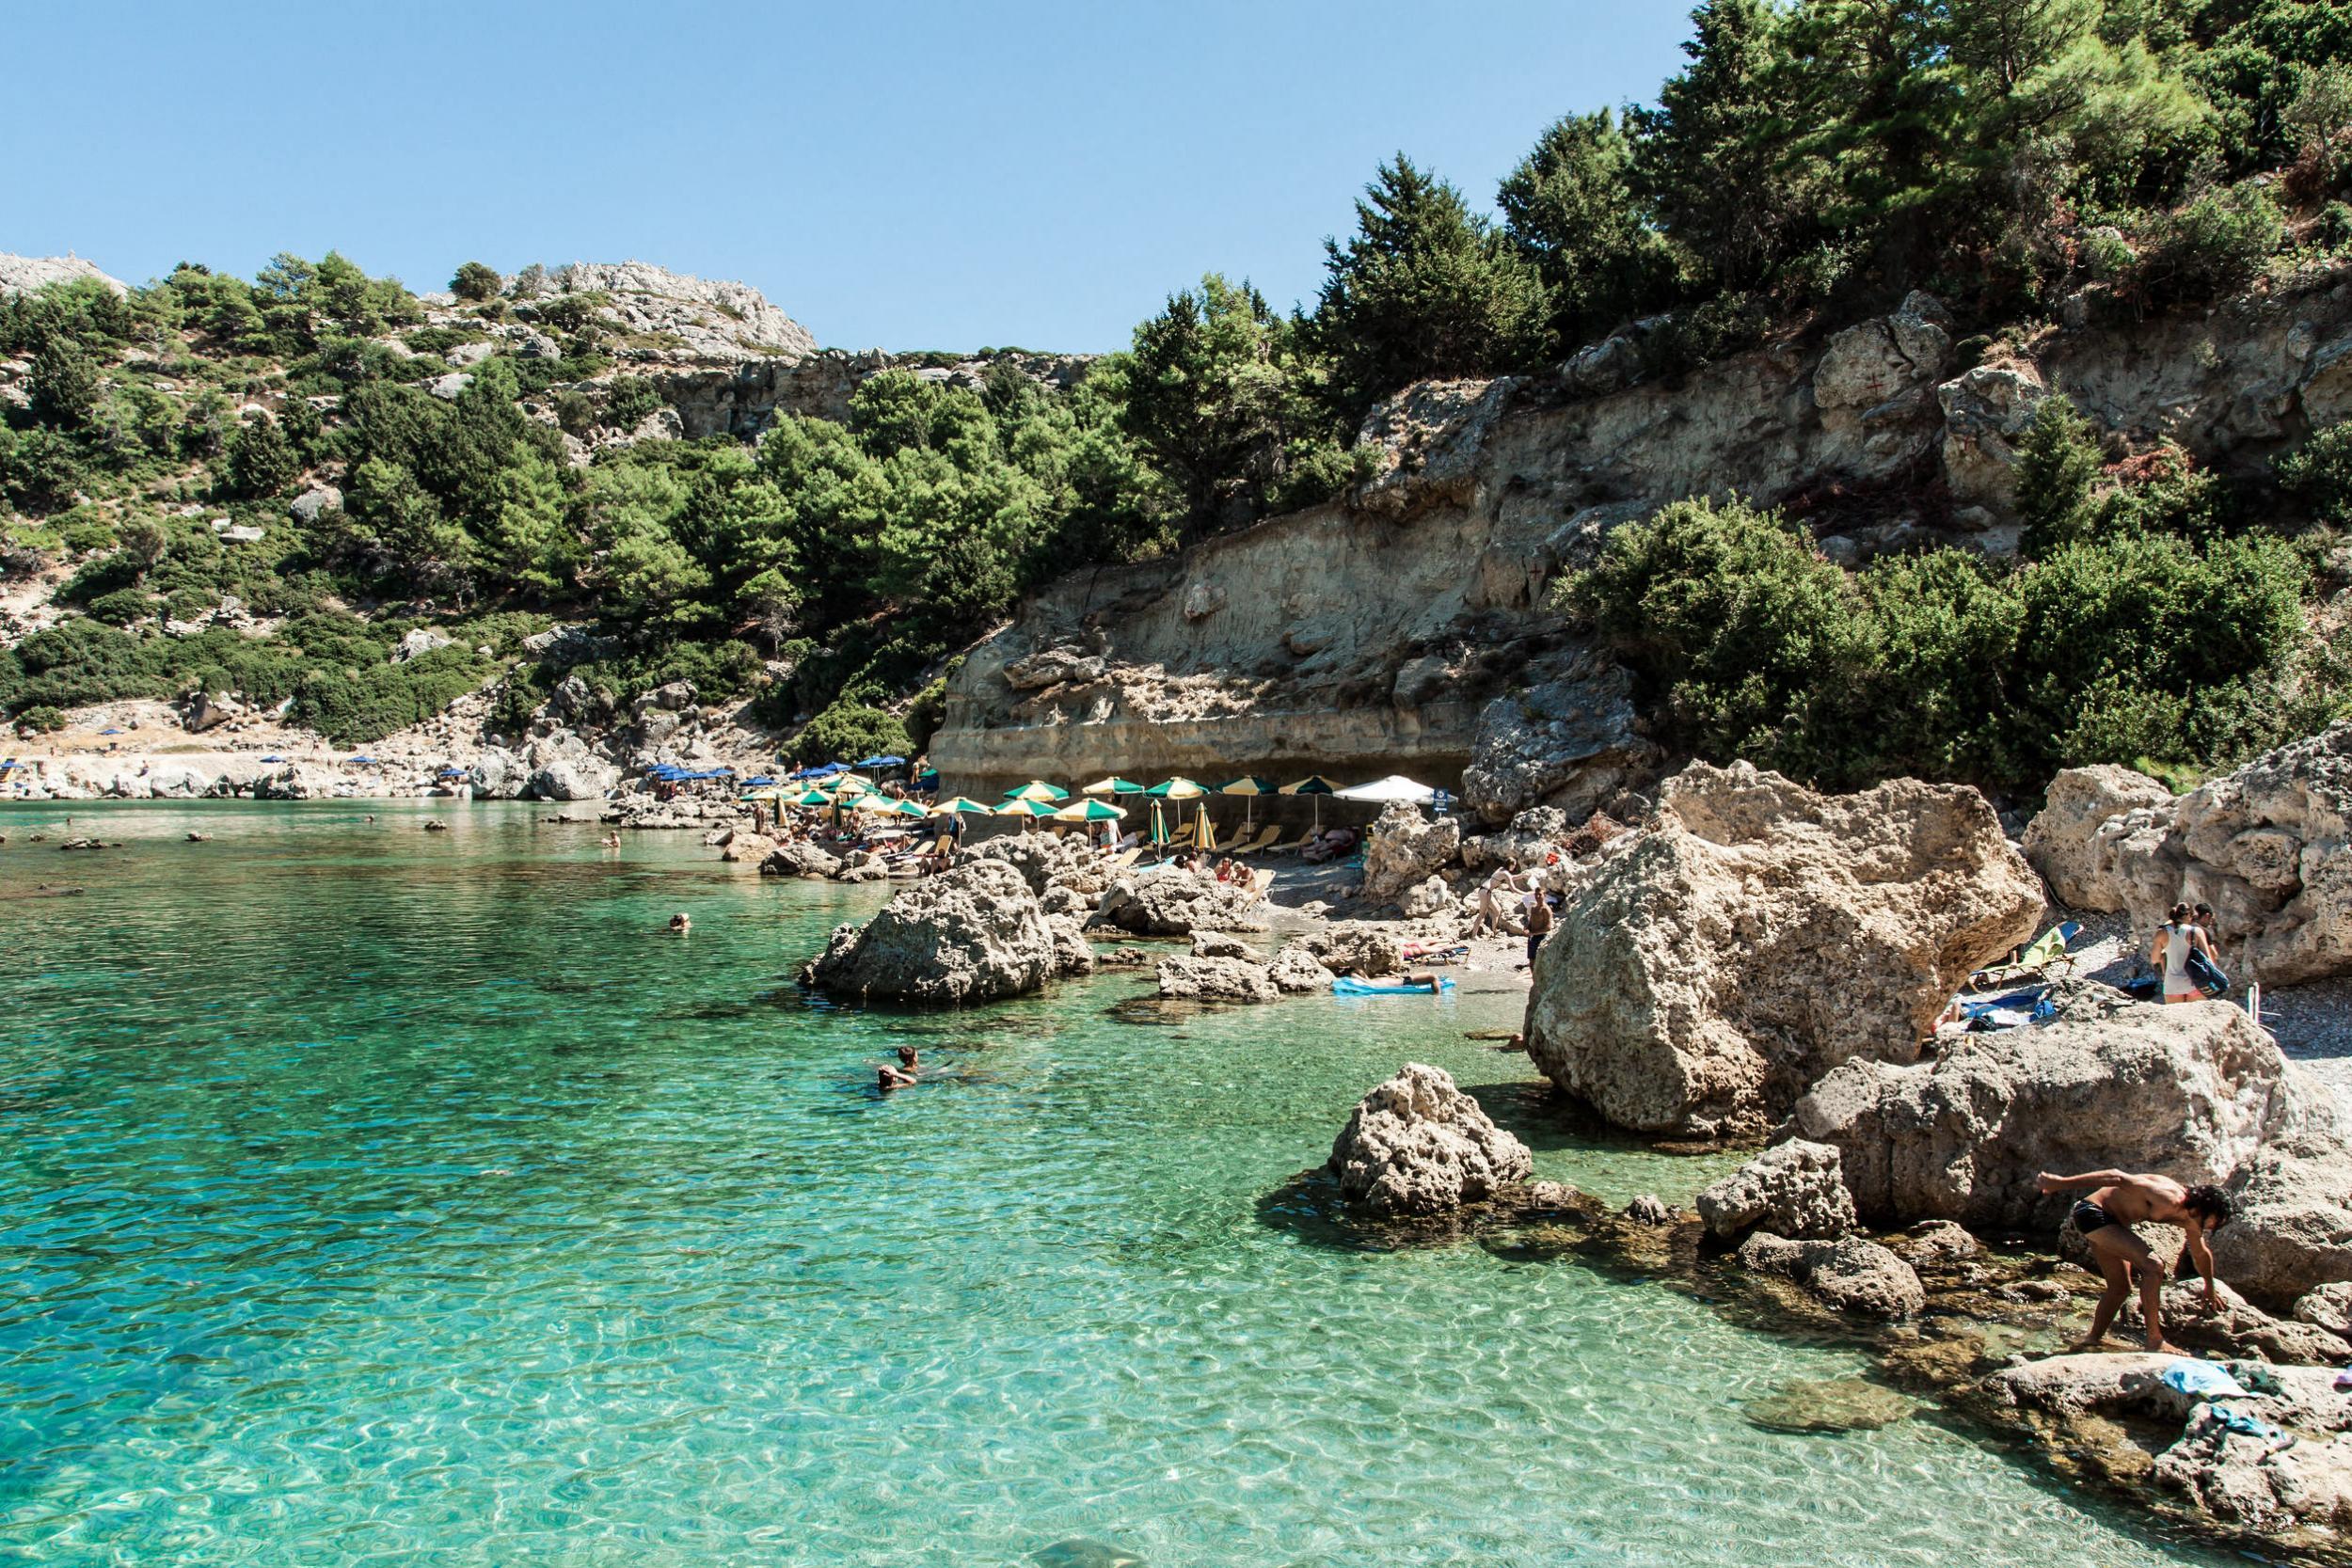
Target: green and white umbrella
[[1247, 786], [1112, 786], [960, 805], [1315, 785], [1089, 811], [1177, 789], [1038, 789]]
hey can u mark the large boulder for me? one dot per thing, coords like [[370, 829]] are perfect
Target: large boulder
[[1167, 902], [1417, 1145], [1221, 979], [2264, 846], [1567, 738], [1406, 849], [1365, 947], [801, 859], [2194, 1091], [572, 779], [1704, 973], [1792, 1189], [1042, 859], [499, 774], [974, 934], [1297, 971], [2062, 840]]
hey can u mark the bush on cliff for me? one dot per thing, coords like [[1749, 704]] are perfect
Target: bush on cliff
[[2130, 644], [846, 734]]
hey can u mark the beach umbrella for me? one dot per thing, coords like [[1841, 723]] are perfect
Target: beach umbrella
[[850, 785], [959, 805], [909, 808], [1026, 808], [1392, 790], [1177, 789], [1089, 811], [1036, 789], [1314, 784], [878, 762], [1112, 786], [1206, 837], [812, 797], [1248, 786], [1159, 824]]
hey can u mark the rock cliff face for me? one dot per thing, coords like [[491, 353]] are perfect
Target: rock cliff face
[[1402, 628]]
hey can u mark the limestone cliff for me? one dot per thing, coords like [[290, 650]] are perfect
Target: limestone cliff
[[1403, 628]]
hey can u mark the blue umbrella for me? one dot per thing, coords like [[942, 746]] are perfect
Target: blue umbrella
[[367, 761], [758, 781], [109, 732], [452, 773], [881, 762]]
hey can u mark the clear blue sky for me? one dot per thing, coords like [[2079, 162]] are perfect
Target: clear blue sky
[[895, 173]]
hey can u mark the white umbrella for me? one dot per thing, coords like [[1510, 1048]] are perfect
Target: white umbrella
[[1386, 791]]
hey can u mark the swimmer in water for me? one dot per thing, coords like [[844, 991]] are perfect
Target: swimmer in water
[[888, 1078], [612, 841], [681, 924]]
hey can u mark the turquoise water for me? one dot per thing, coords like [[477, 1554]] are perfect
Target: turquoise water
[[375, 1196]]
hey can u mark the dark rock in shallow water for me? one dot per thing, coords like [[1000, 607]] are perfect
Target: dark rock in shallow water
[[1079, 1552], [1830, 1404]]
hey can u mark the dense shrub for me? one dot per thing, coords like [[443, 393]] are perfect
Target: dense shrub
[[845, 733], [40, 721], [352, 706], [2121, 646], [2215, 243], [2319, 474], [476, 280]]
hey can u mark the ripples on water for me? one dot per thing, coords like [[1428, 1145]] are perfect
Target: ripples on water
[[373, 1196]]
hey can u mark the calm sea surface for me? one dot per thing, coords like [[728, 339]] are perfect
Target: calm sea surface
[[371, 1196]]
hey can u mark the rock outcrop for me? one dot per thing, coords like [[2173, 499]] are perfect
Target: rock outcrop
[[1417, 1145], [1704, 972], [2062, 841], [1168, 902], [1568, 739], [1851, 1274], [973, 934], [800, 858], [2299, 1495], [1222, 979], [2193, 1091], [1365, 947], [2264, 845], [1405, 850], [1792, 1189]]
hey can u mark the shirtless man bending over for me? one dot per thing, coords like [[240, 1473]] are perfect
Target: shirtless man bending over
[[2118, 1201]]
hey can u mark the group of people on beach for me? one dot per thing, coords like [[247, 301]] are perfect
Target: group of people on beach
[[1516, 899]]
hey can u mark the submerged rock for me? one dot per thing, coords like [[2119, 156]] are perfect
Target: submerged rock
[[1828, 1405], [1704, 973], [974, 934], [1417, 1145]]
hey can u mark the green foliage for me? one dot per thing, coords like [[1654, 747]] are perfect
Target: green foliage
[[2319, 474], [1211, 395], [1570, 209], [61, 389], [2118, 646], [350, 707], [262, 462], [629, 400], [41, 720], [843, 733], [38, 471], [2057, 470], [2218, 242], [476, 280], [1423, 288]]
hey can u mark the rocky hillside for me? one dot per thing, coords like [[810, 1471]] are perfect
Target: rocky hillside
[[1405, 627]]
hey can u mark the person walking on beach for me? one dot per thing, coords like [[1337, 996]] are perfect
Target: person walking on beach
[[2176, 939], [2104, 1217], [1538, 926]]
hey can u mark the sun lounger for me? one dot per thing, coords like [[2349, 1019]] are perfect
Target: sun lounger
[[2039, 957], [1124, 859], [1292, 847], [1262, 841]]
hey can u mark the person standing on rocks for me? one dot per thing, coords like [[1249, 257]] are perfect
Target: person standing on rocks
[[2176, 939], [2119, 1200], [1538, 925]]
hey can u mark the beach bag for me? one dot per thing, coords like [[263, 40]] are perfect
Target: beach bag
[[2206, 974]]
